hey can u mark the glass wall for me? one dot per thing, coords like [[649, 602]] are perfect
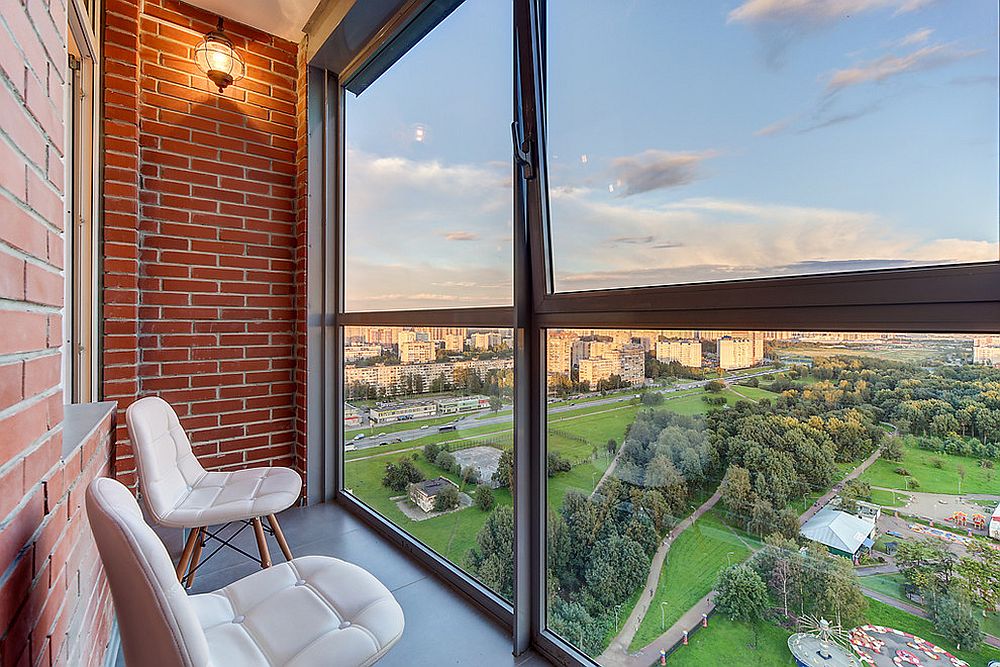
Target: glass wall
[[428, 171], [428, 429], [765, 475], [718, 140]]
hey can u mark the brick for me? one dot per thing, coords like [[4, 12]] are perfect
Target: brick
[[23, 332]]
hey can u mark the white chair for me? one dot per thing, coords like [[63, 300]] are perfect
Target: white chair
[[313, 610], [179, 493]]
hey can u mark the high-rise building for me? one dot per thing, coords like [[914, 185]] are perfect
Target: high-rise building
[[454, 342], [559, 354], [417, 352], [736, 353], [684, 352], [595, 369], [986, 350], [631, 361]]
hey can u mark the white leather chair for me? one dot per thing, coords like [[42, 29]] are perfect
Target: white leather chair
[[313, 610], [179, 493]]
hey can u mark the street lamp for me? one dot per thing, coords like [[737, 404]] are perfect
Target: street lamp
[[617, 609], [663, 617], [728, 562]]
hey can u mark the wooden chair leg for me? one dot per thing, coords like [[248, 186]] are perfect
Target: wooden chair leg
[[195, 559], [182, 565], [258, 529], [280, 536]]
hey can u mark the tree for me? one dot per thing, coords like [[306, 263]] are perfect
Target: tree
[[652, 398], [495, 404], [484, 497], [470, 475], [954, 618], [504, 475], [492, 559], [556, 463], [446, 499], [740, 593], [892, 449], [444, 460], [979, 570], [611, 446], [714, 386], [927, 564], [431, 451], [401, 474], [737, 494]]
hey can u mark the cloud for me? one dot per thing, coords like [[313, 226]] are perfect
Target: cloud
[[776, 127], [916, 37], [815, 12], [829, 120], [723, 239], [888, 66], [780, 23], [656, 170], [461, 236]]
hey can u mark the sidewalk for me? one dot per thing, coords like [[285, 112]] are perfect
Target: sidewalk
[[829, 495], [616, 654]]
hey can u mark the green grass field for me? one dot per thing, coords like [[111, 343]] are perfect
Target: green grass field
[[888, 498], [887, 584], [726, 642], [933, 480], [882, 614], [689, 573]]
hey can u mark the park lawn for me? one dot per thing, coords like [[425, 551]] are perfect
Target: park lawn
[[755, 393], [932, 480], [888, 498], [395, 427], [883, 614], [887, 584], [451, 535], [727, 642], [689, 572], [502, 413]]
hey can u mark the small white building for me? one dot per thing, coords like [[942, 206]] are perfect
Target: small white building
[[993, 530]]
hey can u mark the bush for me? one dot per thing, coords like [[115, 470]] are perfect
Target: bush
[[900, 470], [986, 463], [484, 498], [445, 461], [892, 450], [470, 475], [447, 499], [557, 464], [937, 462], [651, 398], [431, 451], [714, 386]]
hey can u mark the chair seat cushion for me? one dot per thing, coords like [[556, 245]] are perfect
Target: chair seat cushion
[[220, 497], [313, 610]]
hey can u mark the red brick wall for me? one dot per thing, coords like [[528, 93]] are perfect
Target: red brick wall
[[200, 233], [301, 256], [54, 606]]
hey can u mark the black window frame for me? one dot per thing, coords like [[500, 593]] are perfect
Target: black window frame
[[962, 298]]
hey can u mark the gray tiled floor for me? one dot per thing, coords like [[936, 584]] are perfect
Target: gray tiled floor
[[442, 628]]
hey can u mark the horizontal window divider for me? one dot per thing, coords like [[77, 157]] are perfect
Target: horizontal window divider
[[489, 316], [487, 601], [923, 286], [975, 317]]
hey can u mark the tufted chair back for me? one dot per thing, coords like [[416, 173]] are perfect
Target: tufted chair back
[[159, 627], [167, 466]]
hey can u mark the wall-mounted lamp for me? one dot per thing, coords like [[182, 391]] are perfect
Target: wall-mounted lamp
[[218, 59]]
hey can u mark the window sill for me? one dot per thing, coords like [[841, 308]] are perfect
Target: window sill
[[80, 420]]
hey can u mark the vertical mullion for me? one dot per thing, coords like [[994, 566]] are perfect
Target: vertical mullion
[[334, 306], [532, 282]]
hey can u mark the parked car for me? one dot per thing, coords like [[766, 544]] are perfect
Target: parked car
[[350, 448], [425, 427], [359, 436]]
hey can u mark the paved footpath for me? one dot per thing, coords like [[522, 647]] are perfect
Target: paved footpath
[[617, 655], [829, 495]]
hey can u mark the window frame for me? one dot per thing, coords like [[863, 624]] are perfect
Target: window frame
[[81, 336], [962, 298]]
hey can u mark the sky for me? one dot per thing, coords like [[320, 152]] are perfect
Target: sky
[[688, 142]]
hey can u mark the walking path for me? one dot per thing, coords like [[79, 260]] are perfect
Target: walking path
[[829, 495], [617, 655]]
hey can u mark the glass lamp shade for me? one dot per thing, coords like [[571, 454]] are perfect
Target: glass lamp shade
[[216, 57]]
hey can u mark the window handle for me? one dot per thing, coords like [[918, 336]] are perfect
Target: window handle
[[522, 152]]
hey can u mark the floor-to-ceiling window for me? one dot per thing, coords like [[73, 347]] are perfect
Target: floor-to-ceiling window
[[747, 268]]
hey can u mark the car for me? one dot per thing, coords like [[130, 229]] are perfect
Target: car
[[380, 435], [425, 427], [893, 533], [359, 436], [350, 448], [396, 440], [446, 428]]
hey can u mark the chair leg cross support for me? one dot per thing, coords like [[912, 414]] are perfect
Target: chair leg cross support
[[191, 557]]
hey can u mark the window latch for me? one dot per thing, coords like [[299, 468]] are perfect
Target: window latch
[[522, 152]]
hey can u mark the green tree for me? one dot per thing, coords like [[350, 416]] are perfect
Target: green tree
[[504, 475], [737, 494], [714, 386], [740, 593], [484, 497], [495, 404], [492, 559], [979, 571], [446, 499], [401, 474], [955, 618], [927, 564], [611, 446], [652, 398], [892, 450]]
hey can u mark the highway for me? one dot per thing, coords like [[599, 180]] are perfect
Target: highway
[[469, 420]]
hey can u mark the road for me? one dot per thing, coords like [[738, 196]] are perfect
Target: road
[[470, 421]]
